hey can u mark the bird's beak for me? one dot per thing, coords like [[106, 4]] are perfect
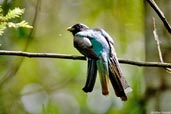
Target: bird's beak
[[70, 29]]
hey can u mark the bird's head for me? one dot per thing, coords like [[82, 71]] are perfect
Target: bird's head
[[77, 28]]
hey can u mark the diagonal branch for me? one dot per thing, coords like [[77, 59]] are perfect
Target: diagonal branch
[[158, 44], [160, 14], [157, 40], [64, 56]]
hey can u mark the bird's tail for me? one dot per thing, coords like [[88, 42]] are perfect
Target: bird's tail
[[91, 75], [119, 83], [102, 67]]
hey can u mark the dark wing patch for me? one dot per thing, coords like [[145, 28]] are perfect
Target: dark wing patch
[[84, 46]]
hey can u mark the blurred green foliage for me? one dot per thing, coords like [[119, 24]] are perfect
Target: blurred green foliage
[[5, 20], [54, 86]]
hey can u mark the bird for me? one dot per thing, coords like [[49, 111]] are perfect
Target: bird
[[98, 47]]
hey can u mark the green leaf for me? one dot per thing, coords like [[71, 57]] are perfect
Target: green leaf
[[2, 28], [16, 12], [6, 23], [20, 24], [23, 24]]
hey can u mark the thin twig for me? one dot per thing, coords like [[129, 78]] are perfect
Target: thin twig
[[158, 44], [157, 40], [160, 14], [64, 56]]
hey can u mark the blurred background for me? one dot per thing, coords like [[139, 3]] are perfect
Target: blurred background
[[54, 86]]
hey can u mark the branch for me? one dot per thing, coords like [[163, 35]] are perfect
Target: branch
[[16, 66], [64, 56], [41, 55], [157, 40], [160, 14], [158, 44]]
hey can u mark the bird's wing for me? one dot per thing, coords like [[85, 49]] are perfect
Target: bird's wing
[[119, 83], [83, 44], [91, 75], [106, 35]]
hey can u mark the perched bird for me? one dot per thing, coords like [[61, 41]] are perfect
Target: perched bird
[[97, 46]]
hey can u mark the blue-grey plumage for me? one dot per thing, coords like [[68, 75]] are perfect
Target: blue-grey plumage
[[97, 45]]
